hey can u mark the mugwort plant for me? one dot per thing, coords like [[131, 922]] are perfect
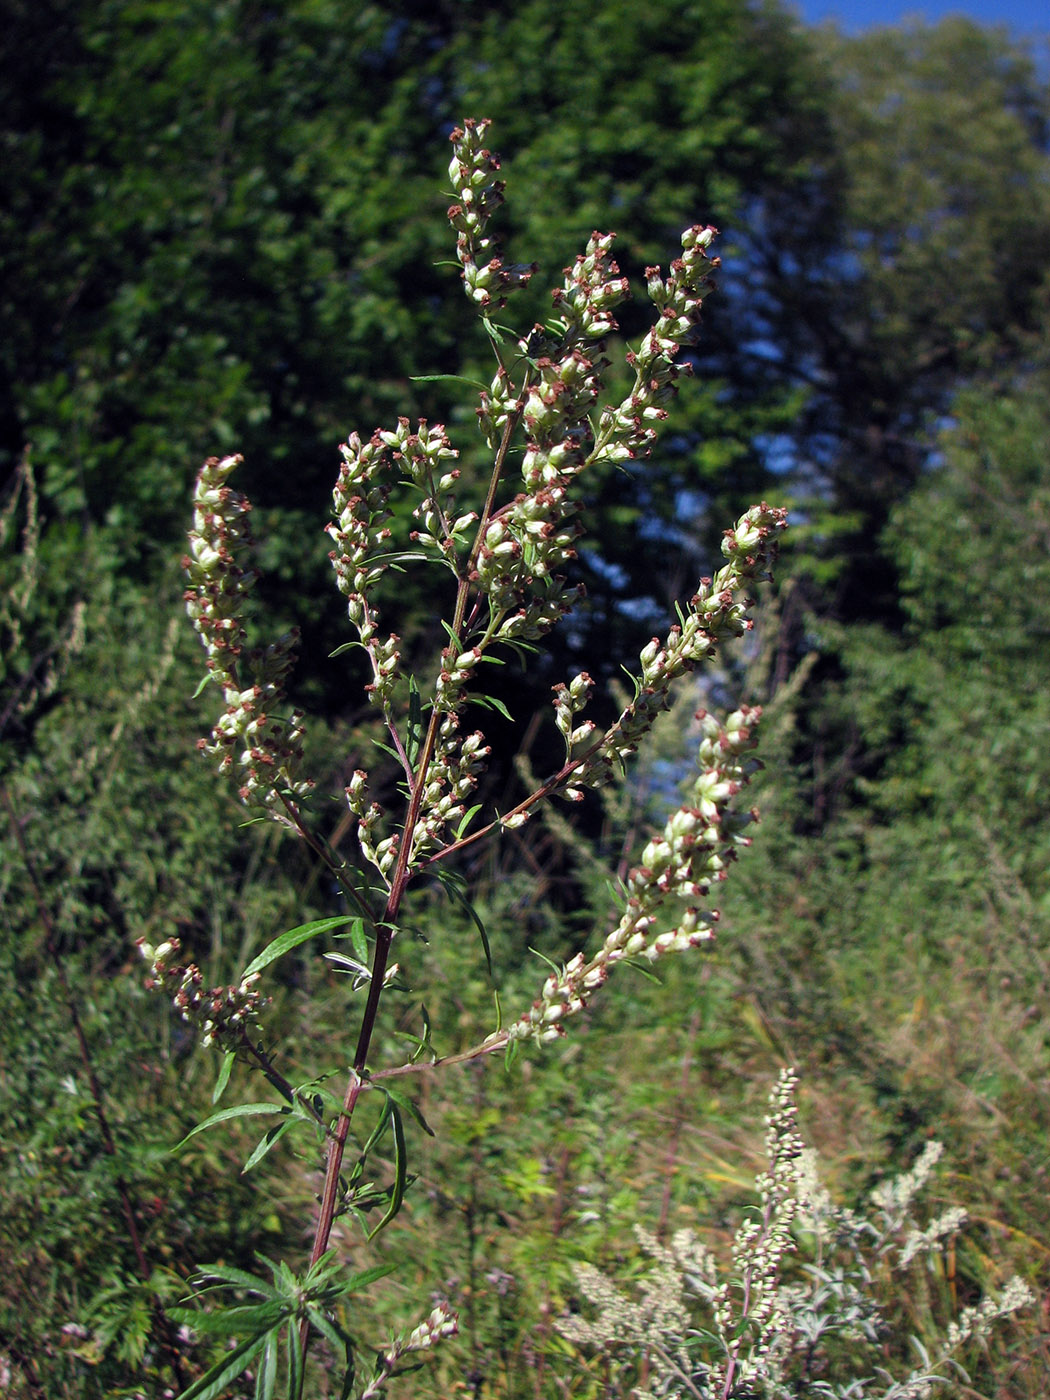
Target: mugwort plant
[[694, 1327], [546, 420]]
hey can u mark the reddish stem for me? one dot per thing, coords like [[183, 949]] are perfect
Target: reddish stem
[[386, 927]]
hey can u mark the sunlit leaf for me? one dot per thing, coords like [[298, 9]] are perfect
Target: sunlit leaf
[[223, 1077], [243, 1110], [466, 819], [266, 1376], [272, 1137], [231, 1322], [403, 1101], [285, 942], [397, 1192], [210, 1276]]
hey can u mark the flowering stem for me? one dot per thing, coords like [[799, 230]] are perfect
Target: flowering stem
[[336, 868], [490, 501], [386, 928], [537, 795], [509, 587]]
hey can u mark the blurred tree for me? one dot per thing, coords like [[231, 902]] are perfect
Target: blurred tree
[[938, 272], [224, 232]]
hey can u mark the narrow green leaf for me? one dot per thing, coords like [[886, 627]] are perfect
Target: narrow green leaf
[[358, 939], [266, 1377], [450, 379], [387, 749], [450, 634], [320, 1275], [397, 1192], [398, 556], [644, 971], [403, 1101], [356, 935], [211, 1385], [616, 894], [466, 820], [425, 1041], [346, 646], [217, 1275], [359, 969], [636, 684], [491, 702], [497, 331], [295, 1363], [334, 1101], [349, 1376], [545, 959], [285, 942], [272, 1137], [522, 650], [403, 1369], [356, 1282], [415, 1040], [223, 1076], [378, 1132], [242, 1110], [454, 886], [256, 1318], [333, 1335]]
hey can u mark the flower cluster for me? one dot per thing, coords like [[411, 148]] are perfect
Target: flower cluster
[[894, 1197], [893, 1200], [265, 749], [569, 700], [442, 1322], [531, 539], [360, 532], [451, 778], [516, 567], [222, 1013], [627, 430], [499, 405], [975, 1323], [422, 457], [474, 173], [678, 867], [661, 1309], [716, 612], [380, 853], [747, 1331], [756, 1304]]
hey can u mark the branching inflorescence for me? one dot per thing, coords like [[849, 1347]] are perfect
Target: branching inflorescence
[[711, 1330], [510, 564], [263, 748]]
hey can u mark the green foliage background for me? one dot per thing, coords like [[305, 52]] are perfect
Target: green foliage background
[[221, 228]]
